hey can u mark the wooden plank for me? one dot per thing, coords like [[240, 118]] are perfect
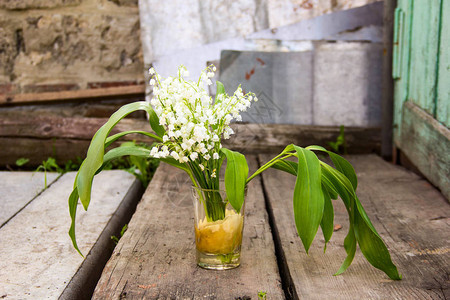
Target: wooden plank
[[14, 197], [270, 138], [443, 90], [26, 124], [410, 215], [426, 143], [249, 138], [155, 259], [401, 85], [37, 259], [424, 54], [131, 90], [38, 150]]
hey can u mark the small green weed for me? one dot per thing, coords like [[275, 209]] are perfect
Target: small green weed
[[340, 142], [262, 295], [22, 161], [49, 165], [115, 238]]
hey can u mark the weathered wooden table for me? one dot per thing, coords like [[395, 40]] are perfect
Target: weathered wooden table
[[155, 259]]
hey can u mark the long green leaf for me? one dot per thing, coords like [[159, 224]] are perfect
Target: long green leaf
[[236, 173], [350, 248], [94, 158], [286, 166], [111, 139], [73, 202], [275, 160], [340, 163], [126, 150], [345, 168], [327, 222], [370, 242], [308, 196], [333, 183], [372, 246], [154, 123]]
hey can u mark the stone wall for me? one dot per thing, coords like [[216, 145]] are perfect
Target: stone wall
[[54, 45]]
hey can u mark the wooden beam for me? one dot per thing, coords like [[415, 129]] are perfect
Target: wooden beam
[[26, 124], [89, 94], [38, 150], [426, 143], [39, 136]]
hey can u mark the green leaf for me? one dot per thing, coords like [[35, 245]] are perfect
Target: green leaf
[[219, 90], [308, 196], [327, 223], [117, 136], [275, 160], [126, 150], [286, 166], [73, 202], [345, 168], [236, 173], [340, 163], [154, 123], [350, 248], [94, 158], [371, 244], [21, 161]]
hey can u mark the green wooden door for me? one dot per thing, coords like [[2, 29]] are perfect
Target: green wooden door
[[421, 69]]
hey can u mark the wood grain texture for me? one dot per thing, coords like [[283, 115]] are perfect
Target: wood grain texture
[[38, 136], [270, 138], [155, 259], [424, 54], [27, 124], [443, 91], [77, 95], [426, 143], [410, 215], [250, 138], [38, 150]]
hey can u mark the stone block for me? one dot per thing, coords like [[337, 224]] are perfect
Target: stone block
[[228, 19], [170, 25], [32, 4], [80, 48], [284, 12], [37, 260], [282, 82], [347, 84], [10, 35], [13, 195]]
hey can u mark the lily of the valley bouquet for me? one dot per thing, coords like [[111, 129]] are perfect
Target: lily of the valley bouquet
[[188, 125]]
